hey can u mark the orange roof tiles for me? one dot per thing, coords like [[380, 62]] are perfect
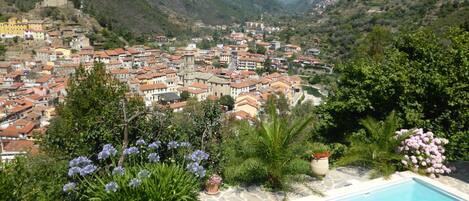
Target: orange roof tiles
[[21, 145], [199, 85], [19, 127], [147, 87], [178, 105]]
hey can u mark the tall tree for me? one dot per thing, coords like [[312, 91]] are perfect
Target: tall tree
[[91, 115], [227, 101]]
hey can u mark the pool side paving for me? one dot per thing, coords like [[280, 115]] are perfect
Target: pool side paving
[[336, 179]]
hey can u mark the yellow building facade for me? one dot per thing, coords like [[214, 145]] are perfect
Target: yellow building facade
[[15, 27]]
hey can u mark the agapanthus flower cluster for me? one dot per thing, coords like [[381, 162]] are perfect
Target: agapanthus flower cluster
[[143, 174], [154, 145], [135, 182], [69, 187], [82, 166], [153, 157], [196, 168], [141, 142], [198, 156], [423, 151], [111, 187], [118, 171], [108, 150], [173, 145], [131, 151], [79, 161]]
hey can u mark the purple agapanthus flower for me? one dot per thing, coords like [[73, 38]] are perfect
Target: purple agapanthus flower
[[118, 171], [198, 155], [173, 145], [141, 142], [153, 157], [73, 171], [80, 161], [111, 187], [108, 150], [135, 182], [154, 145], [143, 174], [69, 187], [88, 170], [196, 169], [131, 150]]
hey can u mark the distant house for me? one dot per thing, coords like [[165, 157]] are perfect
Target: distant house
[[20, 130], [5, 68], [151, 92], [53, 3], [292, 48], [247, 103], [15, 148]]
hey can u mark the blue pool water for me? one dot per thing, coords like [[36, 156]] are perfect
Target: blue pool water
[[411, 190]]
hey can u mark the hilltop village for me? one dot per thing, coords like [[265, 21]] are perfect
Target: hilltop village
[[43, 53]]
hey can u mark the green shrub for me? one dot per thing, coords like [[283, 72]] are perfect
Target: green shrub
[[268, 154], [34, 178], [377, 148], [165, 183], [337, 151]]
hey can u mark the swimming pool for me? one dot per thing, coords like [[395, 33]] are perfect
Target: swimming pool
[[401, 186], [410, 190]]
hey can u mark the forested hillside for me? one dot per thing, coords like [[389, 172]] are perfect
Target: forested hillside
[[341, 27], [170, 16]]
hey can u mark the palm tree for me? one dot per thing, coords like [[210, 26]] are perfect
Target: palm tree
[[378, 148], [271, 151]]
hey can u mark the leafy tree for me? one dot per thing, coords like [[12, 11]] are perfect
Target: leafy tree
[[227, 101], [3, 49], [422, 76], [205, 44], [185, 95], [376, 42], [268, 66], [316, 79], [279, 101], [201, 127], [268, 153], [3, 18], [377, 148], [92, 114]]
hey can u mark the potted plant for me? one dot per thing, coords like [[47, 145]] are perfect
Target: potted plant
[[213, 184], [320, 159]]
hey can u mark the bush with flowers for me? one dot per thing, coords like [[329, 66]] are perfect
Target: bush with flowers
[[423, 152], [215, 179], [145, 174]]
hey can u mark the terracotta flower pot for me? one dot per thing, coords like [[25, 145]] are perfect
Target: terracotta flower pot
[[320, 164], [212, 189]]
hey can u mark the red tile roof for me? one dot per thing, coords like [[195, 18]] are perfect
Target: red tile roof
[[147, 87]]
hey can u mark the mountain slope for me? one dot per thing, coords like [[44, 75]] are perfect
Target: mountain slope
[[172, 16], [341, 27]]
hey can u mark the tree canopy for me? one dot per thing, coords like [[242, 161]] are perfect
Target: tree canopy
[[423, 76], [92, 113]]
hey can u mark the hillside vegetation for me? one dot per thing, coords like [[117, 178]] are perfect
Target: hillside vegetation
[[342, 27], [172, 16]]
